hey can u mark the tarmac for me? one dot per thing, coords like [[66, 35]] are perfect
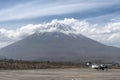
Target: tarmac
[[60, 74]]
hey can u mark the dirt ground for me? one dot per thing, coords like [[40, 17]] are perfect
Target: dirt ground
[[60, 74]]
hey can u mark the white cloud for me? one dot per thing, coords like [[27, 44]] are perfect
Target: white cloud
[[108, 34]]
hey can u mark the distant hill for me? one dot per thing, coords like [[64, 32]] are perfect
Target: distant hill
[[59, 45]]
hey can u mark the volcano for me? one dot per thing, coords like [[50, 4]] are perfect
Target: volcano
[[58, 42]]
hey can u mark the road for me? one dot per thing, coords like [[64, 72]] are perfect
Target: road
[[60, 74]]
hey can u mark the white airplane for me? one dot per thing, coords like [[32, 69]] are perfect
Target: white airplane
[[98, 67]]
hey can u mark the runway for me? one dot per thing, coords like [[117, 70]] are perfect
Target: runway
[[60, 74]]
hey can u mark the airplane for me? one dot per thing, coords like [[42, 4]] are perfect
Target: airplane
[[98, 66]]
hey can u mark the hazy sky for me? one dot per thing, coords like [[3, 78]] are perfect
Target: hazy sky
[[14, 14]]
